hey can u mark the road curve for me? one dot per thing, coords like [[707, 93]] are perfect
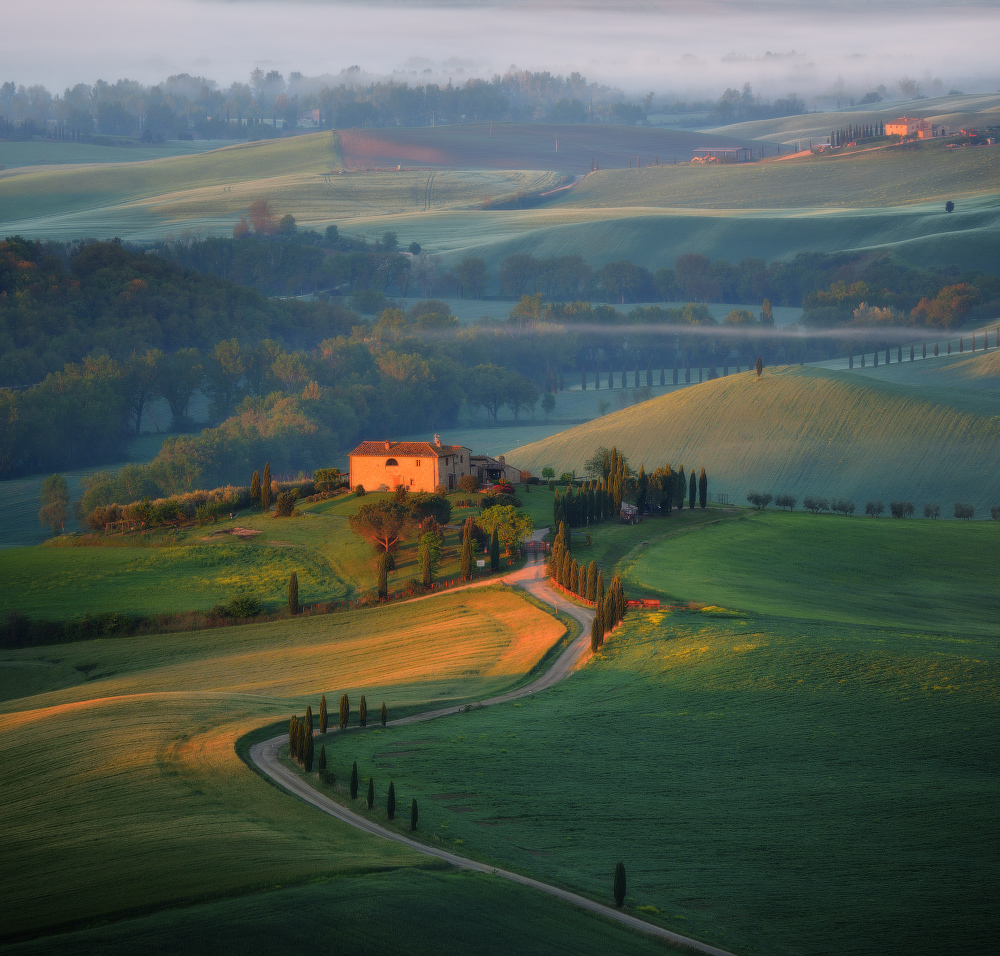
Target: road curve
[[532, 578]]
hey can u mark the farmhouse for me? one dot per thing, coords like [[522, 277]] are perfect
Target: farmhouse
[[722, 154], [416, 465], [904, 126]]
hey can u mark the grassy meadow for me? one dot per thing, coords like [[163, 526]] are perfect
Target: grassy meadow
[[124, 753], [800, 766], [41, 153], [805, 431], [196, 568]]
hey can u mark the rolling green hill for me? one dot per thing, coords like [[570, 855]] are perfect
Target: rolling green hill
[[805, 431]]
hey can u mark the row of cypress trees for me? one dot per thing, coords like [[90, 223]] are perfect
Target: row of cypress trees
[[260, 488]]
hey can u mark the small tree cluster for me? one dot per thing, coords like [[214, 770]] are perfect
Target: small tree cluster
[[901, 509], [995, 512], [785, 501], [932, 510], [964, 511], [842, 506], [300, 740], [816, 505], [759, 500], [874, 509]]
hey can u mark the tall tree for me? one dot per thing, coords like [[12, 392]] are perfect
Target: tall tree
[[619, 887], [702, 488], [307, 756], [255, 488], [55, 504], [591, 581], [425, 561], [390, 803], [354, 781], [363, 712], [692, 490], [495, 551], [293, 593], [345, 711], [371, 792], [324, 719], [385, 714], [467, 551], [413, 814], [265, 488]]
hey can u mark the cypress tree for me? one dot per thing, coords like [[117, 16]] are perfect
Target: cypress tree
[[255, 489], [911, 353], [887, 358], [426, 552], [692, 490], [679, 486], [687, 375], [307, 756], [574, 575], [300, 746], [265, 488], [619, 889], [495, 551], [702, 488], [611, 376], [663, 377], [309, 720], [675, 373], [567, 563], [385, 714], [363, 712], [293, 738], [899, 354], [413, 814], [649, 372], [345, 711], [354, 780], [592, 582], [390, 803], [371, 792], [595, 634], [323, 717], [322, 758], [293, 593], [583, 379], [467, 551]]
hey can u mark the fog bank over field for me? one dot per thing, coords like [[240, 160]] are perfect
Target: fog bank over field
[[690, 50]]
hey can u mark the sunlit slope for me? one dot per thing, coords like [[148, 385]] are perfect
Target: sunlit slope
[[303, 176], [955, 111], [979, 372], [122, 788], [880, 177], [805, 431]]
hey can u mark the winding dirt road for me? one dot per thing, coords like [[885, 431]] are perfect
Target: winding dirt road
[[532, 580]]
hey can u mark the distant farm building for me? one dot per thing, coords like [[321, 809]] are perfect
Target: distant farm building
[[921, 128], [416, 465], [489, 471], [722, 154]]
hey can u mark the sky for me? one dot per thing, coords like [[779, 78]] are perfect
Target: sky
[[688, 49]]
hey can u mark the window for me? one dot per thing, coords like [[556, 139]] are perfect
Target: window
[[418, 462], [461, 459], [392, 463]]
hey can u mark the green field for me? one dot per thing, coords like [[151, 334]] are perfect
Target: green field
[[123, 757], [884, 177], [806, 431], [806, 765]]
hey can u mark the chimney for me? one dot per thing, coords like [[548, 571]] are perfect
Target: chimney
[[387, 444], [437, 440], [502, 462]]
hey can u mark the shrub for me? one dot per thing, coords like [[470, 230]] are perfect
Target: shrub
[[758, 500], [468, 484], [285, 504], [424, 504], [244, 605], [359, 490], [440, 490], [498, 499]]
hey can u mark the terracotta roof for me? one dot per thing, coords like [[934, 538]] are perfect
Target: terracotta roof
[[405, 449]]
